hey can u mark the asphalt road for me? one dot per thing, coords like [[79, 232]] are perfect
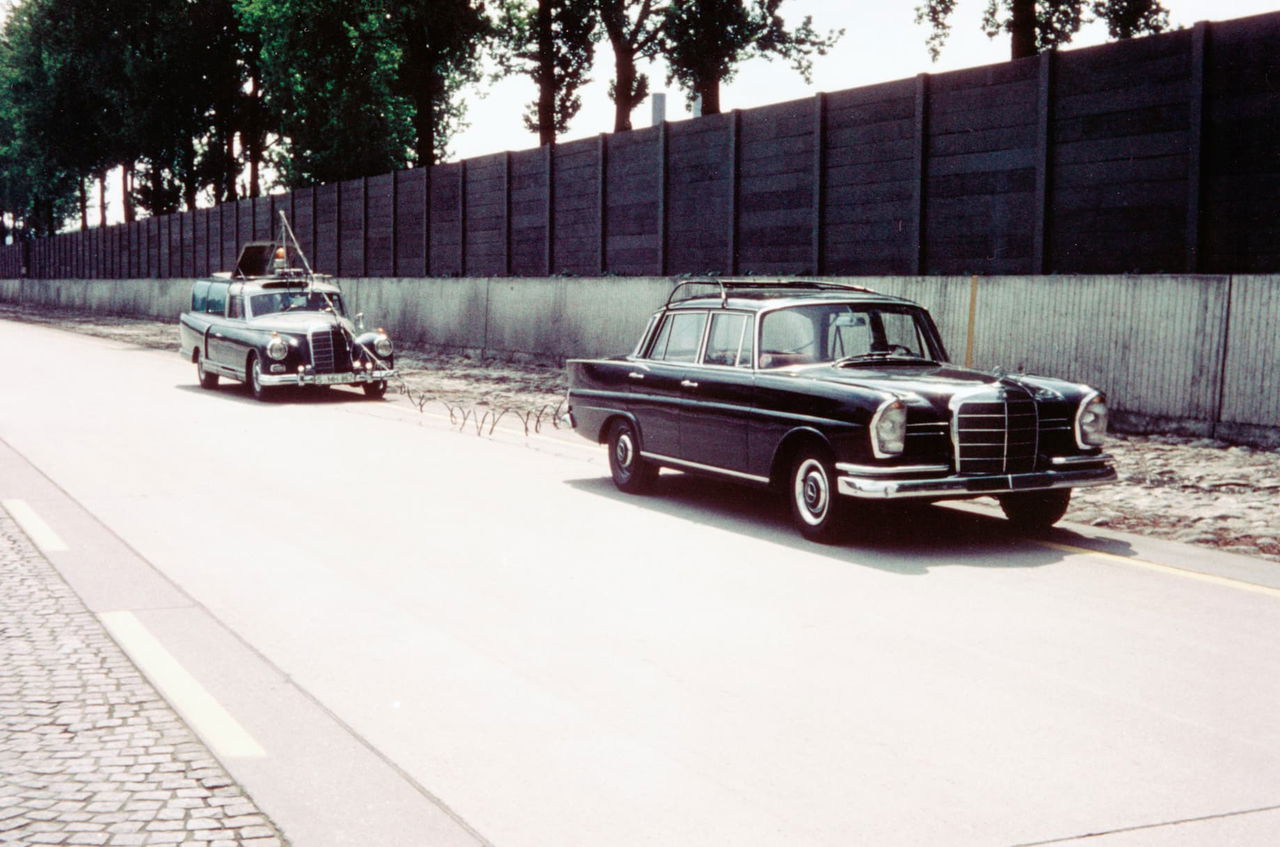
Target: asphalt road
[[393, 633]]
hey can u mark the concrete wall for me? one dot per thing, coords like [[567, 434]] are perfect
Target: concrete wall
[[1190, 354]]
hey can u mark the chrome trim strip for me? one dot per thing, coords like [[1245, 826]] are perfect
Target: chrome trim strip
[[973, 486], [877, 470], [668, 460], [310, 379], [1080, 460]]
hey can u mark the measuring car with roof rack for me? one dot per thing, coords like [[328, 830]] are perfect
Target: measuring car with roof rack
[[269, 324], [835, 394]]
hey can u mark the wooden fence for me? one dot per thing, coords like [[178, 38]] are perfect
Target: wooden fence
[[1157, 155]]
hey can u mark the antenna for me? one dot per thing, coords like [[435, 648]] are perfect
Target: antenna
[[287, 237]]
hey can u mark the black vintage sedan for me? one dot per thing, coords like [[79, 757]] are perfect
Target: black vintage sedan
[[269, 326], [834, 394]]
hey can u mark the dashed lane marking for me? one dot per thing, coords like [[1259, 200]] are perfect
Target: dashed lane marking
[[1156, 566], [40, 533], [210, 720]]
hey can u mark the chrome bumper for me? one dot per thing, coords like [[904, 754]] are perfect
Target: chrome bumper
[[349, 378], [885, 484]]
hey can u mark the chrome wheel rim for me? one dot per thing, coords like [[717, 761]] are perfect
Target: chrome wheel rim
[[624, 452], [255, 377], [812, 491]]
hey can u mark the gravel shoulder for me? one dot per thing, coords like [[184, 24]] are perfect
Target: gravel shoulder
[[1197, 491]]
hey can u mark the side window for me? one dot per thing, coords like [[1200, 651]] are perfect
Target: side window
[[789, 337], [679, 337], [217, 302], [235, 306], [199, 295], [730, 341]]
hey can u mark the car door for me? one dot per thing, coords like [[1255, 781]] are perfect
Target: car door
[[221, 351], [720, 395], [657, 393]]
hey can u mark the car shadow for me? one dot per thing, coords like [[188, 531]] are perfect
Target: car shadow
[[903, 538], [306, 395]]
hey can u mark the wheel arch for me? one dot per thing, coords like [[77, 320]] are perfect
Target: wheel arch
[[790, 446], [611, 418]]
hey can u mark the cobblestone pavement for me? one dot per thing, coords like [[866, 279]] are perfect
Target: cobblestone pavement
[[89, 752]]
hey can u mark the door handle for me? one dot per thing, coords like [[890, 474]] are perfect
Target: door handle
[[636, 375], [688, 383]]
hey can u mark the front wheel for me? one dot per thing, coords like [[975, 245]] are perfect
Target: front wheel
[[1036, 511], [632, 473], [375, 389], [254, 368], [816, 506], [207, 379]]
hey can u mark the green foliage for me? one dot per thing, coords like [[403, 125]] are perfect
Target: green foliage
[[329, 74], [553, 42], [704, 41], [442, 43], [1052, 24]]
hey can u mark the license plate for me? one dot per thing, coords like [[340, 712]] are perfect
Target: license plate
[[334, 379]]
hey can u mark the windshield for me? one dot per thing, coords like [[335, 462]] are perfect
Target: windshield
[[293, 301], [843, 332]]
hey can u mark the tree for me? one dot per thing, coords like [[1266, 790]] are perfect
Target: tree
[[440, 42], [552, 41], [54, 114], [330, 71], [1035, 26], [633, 27], [704, 41]]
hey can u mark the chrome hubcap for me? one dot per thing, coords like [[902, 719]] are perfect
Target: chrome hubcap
[[624, 452], [812, 493]]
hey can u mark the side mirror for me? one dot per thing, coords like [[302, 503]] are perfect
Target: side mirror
[[360, 321]]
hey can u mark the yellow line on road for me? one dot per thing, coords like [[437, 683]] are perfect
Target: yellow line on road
[[210, 720], [40, 533], [1156, 566]]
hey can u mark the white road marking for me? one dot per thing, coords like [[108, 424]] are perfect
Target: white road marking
[[211, 721], [40, 533]]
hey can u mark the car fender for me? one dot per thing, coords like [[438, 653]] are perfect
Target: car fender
[[789, 444]]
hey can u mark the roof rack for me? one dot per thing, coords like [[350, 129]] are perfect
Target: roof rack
[[725, 285]]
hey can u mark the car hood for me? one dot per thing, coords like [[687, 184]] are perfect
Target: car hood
[[299, 322], [935, 384]]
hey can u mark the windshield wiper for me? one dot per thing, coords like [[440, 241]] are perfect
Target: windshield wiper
[[882, 356]]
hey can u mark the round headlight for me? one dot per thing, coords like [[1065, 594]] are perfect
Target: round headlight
[[889, 430], [277, 348], [382, 345], [1091, 422]]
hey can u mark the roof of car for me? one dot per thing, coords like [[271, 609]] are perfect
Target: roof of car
[[320, 282], [758, 294]]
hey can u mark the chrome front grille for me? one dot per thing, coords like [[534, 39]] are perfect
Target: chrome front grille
[[996, 432], [329, 352]]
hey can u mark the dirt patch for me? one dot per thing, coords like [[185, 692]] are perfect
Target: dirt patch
[[1197, 491]]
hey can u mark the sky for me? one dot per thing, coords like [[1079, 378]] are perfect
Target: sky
[[881, 43]]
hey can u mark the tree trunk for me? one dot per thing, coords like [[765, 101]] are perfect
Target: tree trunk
[[190, 187], [1022, 28], [546, 75], [84, 206], [252, 138], [624, 86], [709, 91], [102, 198], [126, 193]]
